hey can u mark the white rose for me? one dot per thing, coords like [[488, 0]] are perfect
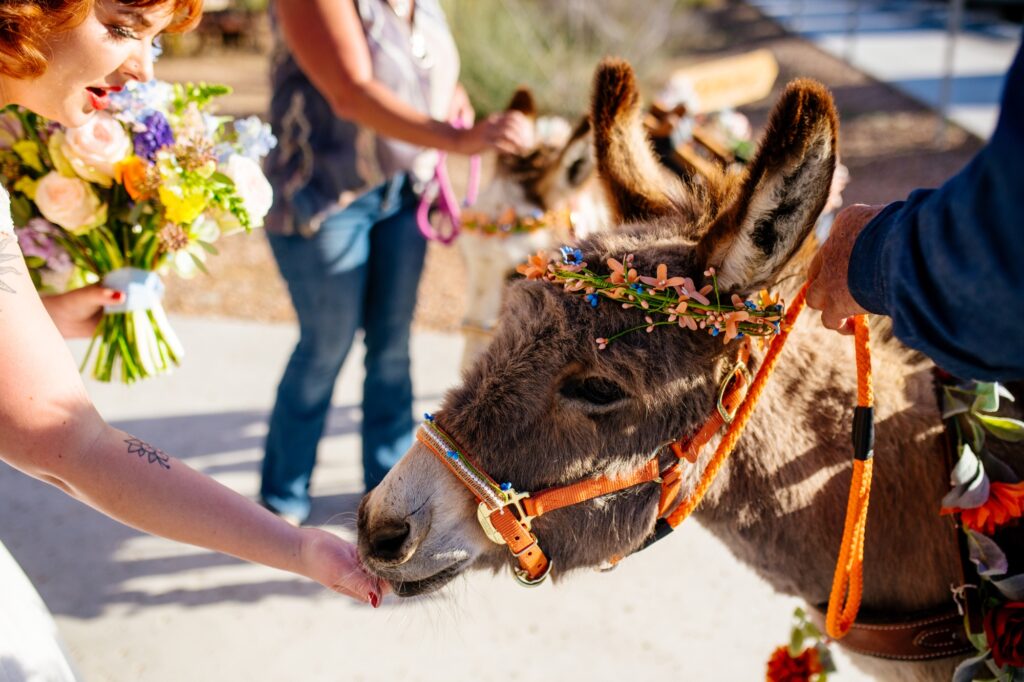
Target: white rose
[[96, 147], [252, 187], [70, 203]]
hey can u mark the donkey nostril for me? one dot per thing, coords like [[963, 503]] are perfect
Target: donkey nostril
[[387, 541]]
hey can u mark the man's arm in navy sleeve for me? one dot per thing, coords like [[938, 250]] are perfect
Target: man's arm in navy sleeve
[[947, 265]]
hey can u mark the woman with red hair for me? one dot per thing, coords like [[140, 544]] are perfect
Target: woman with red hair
[[61, 59]]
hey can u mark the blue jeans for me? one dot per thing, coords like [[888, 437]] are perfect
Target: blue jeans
[[360, 270]]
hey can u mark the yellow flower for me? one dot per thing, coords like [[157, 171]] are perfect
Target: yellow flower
[[27, 186], [182, 204], [28, 151], [60, 162]]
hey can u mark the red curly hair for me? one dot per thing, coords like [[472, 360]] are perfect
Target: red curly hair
[[25, 26]]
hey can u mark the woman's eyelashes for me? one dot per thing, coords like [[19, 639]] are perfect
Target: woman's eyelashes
[[120, 32]]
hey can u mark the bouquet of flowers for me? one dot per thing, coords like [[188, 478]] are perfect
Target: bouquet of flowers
[[146, 185]]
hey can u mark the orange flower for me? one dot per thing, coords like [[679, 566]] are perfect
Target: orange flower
[[1005, 503], [622, 274], [133, 173], [783, 667], [536, 267], [732, 321], [662, 281], [768, 298]]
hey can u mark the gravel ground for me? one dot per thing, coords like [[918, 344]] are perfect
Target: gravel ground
[[890, 143]]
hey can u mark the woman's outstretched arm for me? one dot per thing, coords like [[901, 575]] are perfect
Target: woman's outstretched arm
[[50, 430]]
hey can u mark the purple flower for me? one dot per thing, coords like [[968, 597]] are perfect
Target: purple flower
[[156, 136], [36, 240]]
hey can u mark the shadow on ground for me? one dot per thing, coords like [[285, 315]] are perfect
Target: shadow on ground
[[76, 562]]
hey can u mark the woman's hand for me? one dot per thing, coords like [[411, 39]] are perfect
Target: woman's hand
[[334, 563], [509, 132], [76, 313], [461, 109]]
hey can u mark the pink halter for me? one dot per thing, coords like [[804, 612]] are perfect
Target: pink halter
[[439, 189]]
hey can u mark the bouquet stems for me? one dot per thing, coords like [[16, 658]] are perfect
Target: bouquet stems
[[134, 345]]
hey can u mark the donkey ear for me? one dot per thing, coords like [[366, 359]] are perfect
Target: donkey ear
[[638, 187], [575, 161], [522, 101], [782, 194]]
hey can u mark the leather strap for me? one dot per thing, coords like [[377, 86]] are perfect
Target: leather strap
[[920, 637], [564, 496]]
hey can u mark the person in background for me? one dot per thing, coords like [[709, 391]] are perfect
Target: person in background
[[363, 91], [947, 264]]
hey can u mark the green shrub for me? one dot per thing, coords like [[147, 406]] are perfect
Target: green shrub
[[552, 46]]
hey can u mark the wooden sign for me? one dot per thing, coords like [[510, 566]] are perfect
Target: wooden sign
[[729, 82]]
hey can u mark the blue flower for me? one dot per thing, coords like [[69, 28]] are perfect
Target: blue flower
[[750, 305], [156, 135], [136, 100], [571, 256], [714, 331], [592, 299], [253, 137], [638, 288]]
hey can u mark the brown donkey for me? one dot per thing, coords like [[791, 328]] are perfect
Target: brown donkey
[[545, 407]]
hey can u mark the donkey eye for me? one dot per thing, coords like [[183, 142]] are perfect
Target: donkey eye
[[593, 390], [576, 171]]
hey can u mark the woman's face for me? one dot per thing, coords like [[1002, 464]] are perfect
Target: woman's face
[[111, 47]]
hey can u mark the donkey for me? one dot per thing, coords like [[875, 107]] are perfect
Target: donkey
[[555, 177], [544, 406]]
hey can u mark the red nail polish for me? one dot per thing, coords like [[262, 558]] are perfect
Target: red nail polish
[[374, 600], [119, 296]]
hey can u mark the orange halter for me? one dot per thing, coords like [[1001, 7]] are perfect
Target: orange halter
[[506, 515]]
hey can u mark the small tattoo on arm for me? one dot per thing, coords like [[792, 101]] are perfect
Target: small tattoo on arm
[[6, 269], [152, 454]]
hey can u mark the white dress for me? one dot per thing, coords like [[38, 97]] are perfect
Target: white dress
[[6, 224], [31, 649]]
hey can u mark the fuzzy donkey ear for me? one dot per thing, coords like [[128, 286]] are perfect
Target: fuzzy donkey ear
[[638, 187], [781, 195], [522, 101]]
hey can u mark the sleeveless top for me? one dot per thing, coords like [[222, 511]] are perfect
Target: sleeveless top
[[322, 162], [6, 224]]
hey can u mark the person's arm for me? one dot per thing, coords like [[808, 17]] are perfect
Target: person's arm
[[327, 41], [50, 430], [947, 264]]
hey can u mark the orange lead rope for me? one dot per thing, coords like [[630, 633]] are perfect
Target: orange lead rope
[[732, 435], [848, 583]]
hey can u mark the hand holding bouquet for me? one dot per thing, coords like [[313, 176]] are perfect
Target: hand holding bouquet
[[145, 186]]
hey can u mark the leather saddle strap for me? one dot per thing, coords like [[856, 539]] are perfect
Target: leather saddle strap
[[915, 638]]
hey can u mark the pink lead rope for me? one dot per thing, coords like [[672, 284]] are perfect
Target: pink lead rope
[[439, 189]]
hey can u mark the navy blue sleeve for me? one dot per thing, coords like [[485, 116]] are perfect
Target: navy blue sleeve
[[947, 265]]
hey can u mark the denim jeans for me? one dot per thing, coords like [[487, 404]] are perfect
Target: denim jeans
[[359, 271]]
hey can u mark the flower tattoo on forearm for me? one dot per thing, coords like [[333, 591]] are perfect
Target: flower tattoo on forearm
[[152, 454]]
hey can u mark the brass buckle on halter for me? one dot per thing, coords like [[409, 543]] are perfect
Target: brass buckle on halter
[[513, 499], [740, 368]]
